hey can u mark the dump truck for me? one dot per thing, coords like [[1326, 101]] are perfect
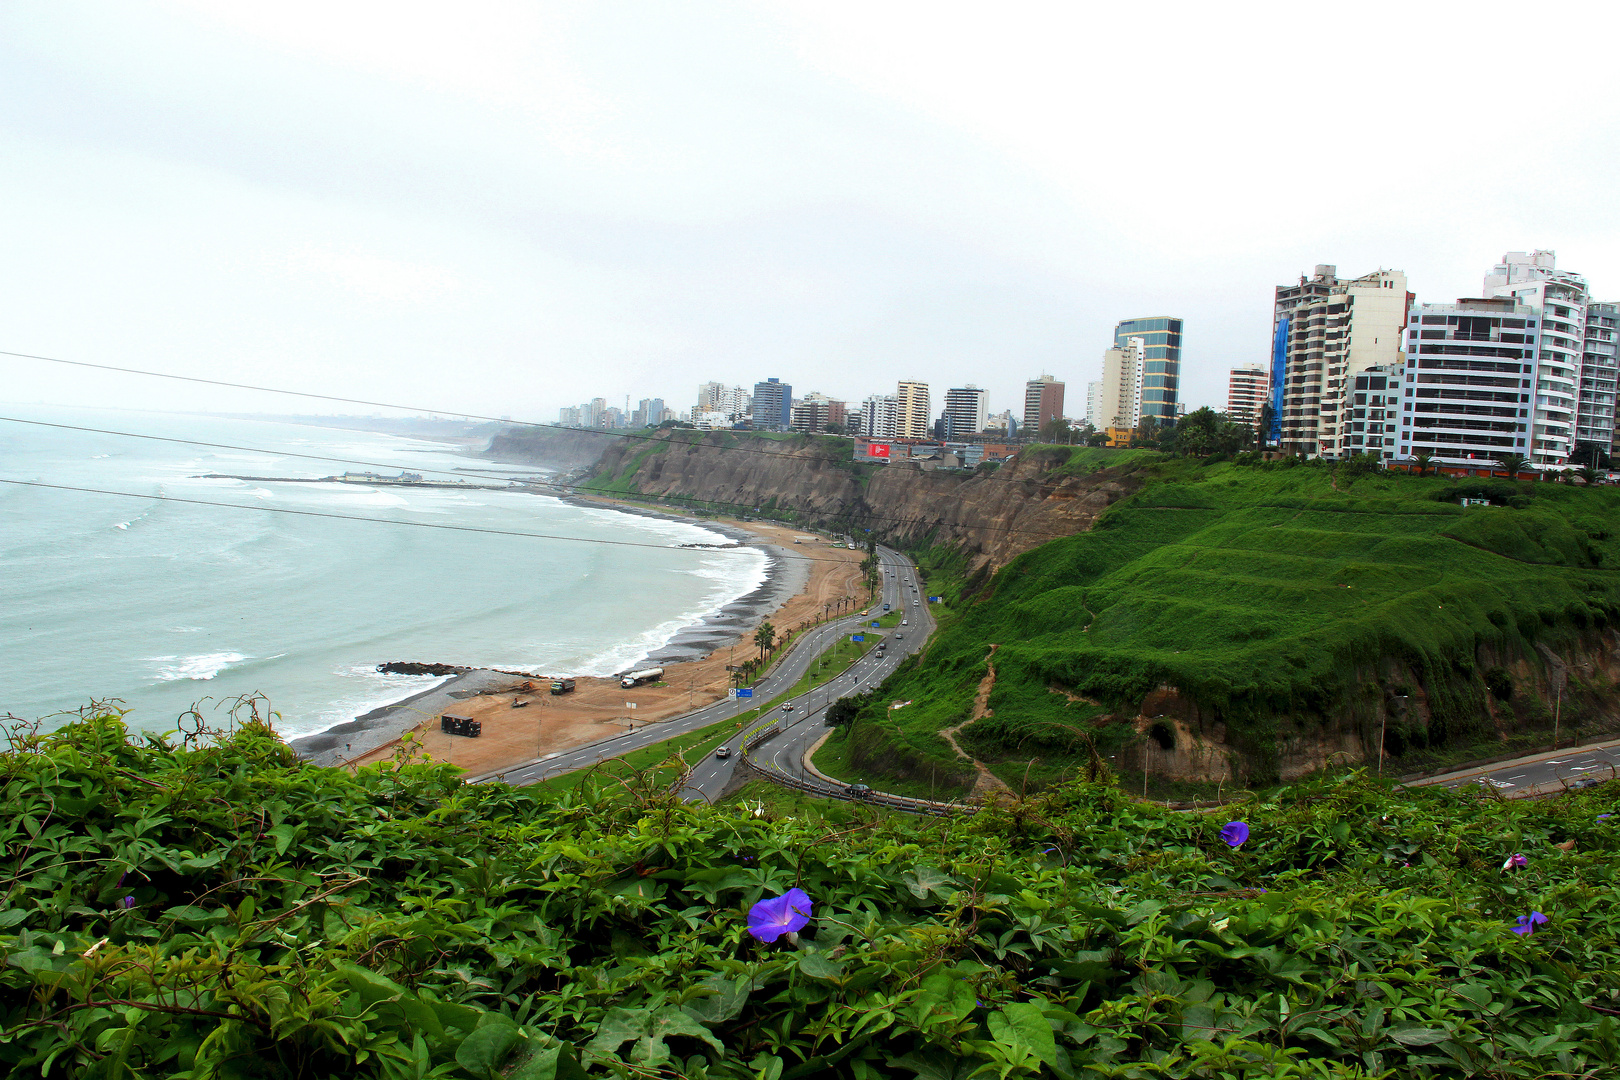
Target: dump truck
[[637, 677], [562, 686]]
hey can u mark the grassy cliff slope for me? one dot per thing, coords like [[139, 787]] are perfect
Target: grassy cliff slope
[[1255, 620]]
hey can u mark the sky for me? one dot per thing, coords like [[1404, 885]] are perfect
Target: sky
[[505, 208]]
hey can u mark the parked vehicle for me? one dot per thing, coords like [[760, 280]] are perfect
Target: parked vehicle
[[562, 686], [635, 678]]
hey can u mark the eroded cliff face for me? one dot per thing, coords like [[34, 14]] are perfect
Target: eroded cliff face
[[1501, 693], [994, 516], [557, 448]]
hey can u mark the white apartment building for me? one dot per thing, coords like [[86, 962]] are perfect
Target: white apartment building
[[965, 411], [1120, 398], [912, 416], [1094, 404], [1471, 372], [1595, 402], [879, 415], [1559, 300], [1330, 329], [1246, 391]]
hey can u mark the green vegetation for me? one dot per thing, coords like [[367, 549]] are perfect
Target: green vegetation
[[227, 911], [1278, 601]]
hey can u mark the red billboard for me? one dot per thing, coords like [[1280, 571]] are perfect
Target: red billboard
[[877, 449]]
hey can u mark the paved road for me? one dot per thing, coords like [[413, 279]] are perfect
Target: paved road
[[806, 722], [1546, 772], [709, 780]]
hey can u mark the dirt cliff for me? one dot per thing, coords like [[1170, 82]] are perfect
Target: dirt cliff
[[994, 515], [558, 448]]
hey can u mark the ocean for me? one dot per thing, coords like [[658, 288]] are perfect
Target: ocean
[[161, 605]]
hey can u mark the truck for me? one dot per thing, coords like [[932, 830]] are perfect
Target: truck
[[637, 677], [562, 686]]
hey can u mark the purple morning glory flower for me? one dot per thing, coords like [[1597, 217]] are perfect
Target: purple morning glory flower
[[127, 902], [1526, 924], [1514, 862], [786, 914], [1234, 833], [1602, 816]]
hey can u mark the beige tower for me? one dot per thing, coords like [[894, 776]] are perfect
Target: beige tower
[[911, 419]]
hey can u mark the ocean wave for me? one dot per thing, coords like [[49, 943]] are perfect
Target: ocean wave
[[201, 667]]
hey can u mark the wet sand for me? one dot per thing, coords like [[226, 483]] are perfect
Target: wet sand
[[804, 579]]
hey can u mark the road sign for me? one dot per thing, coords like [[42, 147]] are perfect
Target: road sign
[[874, 622], [743, 692], [857, 637]]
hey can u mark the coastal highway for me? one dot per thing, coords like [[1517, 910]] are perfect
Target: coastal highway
[[1548, 771], [710, 777], [806, 722]]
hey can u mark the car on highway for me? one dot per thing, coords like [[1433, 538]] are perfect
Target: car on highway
[[724, 751], [905, 622], [788, 707], [859, 791]]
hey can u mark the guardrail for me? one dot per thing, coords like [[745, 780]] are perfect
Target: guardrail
[[835, 790]]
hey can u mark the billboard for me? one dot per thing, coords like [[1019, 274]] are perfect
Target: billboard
[[877, 449]]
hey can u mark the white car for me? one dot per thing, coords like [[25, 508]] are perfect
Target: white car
[[905, 622]]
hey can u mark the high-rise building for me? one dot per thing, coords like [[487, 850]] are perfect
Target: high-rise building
[[814, 412], [878, 416], [1326, 329], [773, 405], [1120, 398], [1599, 374], [1559, 300], [965, 412], [1160, 350], [1246, 391], [1043, 401], [1094, 404], [1470, 373], [708, 399], [911, 411]]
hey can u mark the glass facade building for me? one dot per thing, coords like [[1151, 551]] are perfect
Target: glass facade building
[[1160, 342]]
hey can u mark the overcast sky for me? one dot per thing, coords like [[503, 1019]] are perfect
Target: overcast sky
[[506, 208]]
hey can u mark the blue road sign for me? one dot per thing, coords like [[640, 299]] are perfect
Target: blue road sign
[[935, 599], [857, 637], [874, 622], [745, 691]]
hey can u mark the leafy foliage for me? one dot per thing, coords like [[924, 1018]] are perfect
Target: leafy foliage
[[228, 911]]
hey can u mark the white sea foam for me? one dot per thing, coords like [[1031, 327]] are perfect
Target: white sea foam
[[201, 667]]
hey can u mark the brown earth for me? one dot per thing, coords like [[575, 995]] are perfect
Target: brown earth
[[599, 708]]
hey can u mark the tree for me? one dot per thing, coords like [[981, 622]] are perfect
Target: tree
[[1423, 459], [843, 712], [1268, 415], [1097, 438], [1588, 474], [1514, 464], [1589, 453], [833, 428], [765, 638], [1056, 430]]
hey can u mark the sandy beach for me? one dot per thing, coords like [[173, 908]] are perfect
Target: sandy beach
[[522, 720]]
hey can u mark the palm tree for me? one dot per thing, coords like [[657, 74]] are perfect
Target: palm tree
[[765, 638], [1423, 459], [1588, 474], [1514, 464]]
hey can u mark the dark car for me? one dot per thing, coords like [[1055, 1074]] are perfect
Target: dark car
[[859, 791], [1585, 782], [788, 707]]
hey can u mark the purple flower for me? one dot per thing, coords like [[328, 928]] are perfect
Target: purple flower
[[1514, 862], [1602, 816], [1527, 924], [127, 902], [770, 919], [1234, 833]]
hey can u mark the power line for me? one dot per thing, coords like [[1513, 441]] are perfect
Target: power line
[[534, 482], [393, 521]]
